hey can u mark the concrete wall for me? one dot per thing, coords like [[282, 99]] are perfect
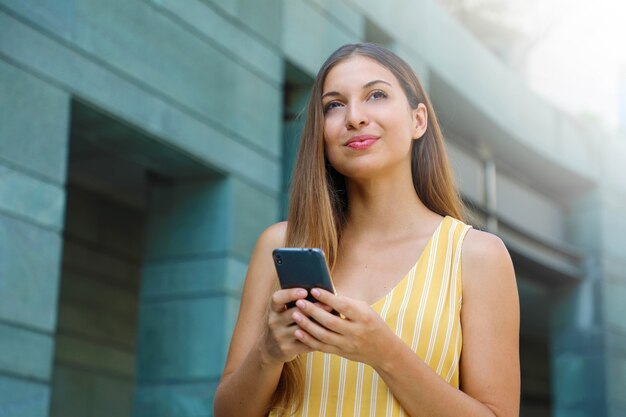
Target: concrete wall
[[199, 236], [94, 363], [33, 146], [126, 73], [613, 264], [208, 81]]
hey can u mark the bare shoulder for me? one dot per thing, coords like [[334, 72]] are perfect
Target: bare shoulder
[[261, 264], [485, 261], [274, 236], [481, 246]]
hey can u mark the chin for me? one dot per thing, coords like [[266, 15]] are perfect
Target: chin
[[359, 171]]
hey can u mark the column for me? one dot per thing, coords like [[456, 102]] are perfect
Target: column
[[33, 150], [578, 344], [199, 239]]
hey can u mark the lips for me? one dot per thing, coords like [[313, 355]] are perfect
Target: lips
[[360, 142]]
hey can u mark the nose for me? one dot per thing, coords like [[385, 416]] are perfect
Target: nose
[[355, 117]]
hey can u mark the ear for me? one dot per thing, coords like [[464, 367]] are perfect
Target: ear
[[420, 121]]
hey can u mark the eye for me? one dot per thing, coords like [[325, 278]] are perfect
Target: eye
[[377, 95], [331, 105]]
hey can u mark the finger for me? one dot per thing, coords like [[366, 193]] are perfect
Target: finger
[[323, 318], [285, 317], [342, 304], [296, 346], [287, 347], [280, 298], [324, 307], [313, 343], [301, 347], [280, 323], [318, 332], [283, 334]]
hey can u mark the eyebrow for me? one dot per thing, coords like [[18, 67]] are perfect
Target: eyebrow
[[366, 85]]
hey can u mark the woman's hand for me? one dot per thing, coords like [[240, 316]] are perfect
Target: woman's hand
[[279, 343], [361, 336]]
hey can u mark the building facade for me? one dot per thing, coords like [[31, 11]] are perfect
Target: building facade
[[145, 144]]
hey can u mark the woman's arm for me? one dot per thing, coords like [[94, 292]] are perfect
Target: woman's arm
[[262, 340], [489, 366]]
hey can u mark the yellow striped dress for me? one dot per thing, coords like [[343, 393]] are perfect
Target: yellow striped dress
[[423, 309]]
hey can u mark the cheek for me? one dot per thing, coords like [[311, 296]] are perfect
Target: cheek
[[332, 141], [332, 151], [332, 129]]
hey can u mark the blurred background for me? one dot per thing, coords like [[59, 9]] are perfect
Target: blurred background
[[145, 144]]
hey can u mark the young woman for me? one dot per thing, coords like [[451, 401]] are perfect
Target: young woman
[[372, 187]]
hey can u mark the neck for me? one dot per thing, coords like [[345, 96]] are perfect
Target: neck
[[385, 207]]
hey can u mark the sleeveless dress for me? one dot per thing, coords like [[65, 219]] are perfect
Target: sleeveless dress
[[424, 311]]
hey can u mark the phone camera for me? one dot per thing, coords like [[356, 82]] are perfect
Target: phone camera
[[279, 260]]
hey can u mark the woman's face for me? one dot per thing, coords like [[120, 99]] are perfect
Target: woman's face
[[369, 125]]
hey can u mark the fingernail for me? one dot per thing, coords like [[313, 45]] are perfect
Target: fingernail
[[315, 292], [301, 304], [296, 317], [301, 293]]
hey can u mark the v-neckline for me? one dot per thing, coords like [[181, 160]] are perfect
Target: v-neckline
[[406, 276]]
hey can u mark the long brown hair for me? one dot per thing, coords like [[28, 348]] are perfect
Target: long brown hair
[[318, 200]]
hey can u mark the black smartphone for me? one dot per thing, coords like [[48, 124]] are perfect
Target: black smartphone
[[302, 268]]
